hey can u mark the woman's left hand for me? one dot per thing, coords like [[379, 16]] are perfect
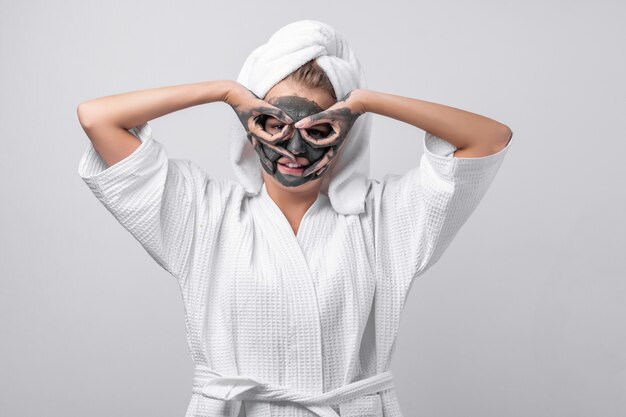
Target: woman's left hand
[[341, 117]]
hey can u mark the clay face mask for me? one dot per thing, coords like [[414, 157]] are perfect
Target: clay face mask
[[297, 108]]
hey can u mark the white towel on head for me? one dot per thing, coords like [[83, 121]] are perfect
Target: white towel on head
[[289, 48]]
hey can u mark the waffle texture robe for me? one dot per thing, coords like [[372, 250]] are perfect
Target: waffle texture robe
[[290, 316]]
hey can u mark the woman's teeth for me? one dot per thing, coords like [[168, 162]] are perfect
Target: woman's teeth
[[292, 168]]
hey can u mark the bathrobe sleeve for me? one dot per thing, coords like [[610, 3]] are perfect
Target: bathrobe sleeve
[[155, 198], [421, 211]]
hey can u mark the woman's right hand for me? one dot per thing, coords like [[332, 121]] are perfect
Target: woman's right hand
[[252, 112]]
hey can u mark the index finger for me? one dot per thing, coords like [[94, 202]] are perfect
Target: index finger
[[332, 137], [275, 112]]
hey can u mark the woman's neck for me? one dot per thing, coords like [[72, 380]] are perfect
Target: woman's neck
[[293, 204]]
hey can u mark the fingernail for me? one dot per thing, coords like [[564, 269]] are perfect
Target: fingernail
[[298, 124]]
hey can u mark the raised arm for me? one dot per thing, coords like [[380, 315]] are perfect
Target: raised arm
[[106, 120], [474, 135]]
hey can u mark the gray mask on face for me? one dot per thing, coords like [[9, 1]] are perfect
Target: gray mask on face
[[297, 108]]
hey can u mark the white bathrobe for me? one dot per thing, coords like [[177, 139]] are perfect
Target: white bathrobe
[[271, 313]]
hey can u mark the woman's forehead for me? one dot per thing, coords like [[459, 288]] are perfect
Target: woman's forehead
[[296, 107], [289, 88]]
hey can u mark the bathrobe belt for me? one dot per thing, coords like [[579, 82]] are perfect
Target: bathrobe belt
[[259, 393]]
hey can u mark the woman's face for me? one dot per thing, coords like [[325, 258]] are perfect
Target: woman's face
[[298, 102]]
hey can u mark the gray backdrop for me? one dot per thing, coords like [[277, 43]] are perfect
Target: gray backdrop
[[522, 316]]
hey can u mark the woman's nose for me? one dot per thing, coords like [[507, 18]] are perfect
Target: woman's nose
[[295, 145]]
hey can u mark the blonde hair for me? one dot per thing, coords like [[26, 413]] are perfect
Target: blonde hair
[[313, 76]]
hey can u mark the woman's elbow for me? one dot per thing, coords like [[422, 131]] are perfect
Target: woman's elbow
[[501, 137], [86, 115], [491, 143], [81, 113], [507, 134]]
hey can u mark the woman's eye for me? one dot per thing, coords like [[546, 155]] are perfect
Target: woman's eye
[[278, 127], [316, 133]]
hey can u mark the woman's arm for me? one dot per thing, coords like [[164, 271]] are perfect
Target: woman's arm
[[474, 135], [106, 120]]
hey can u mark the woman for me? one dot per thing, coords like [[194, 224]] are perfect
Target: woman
[[293, 277]]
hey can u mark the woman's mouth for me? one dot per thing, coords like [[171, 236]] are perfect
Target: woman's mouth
[[287, 167], [291, 168]]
